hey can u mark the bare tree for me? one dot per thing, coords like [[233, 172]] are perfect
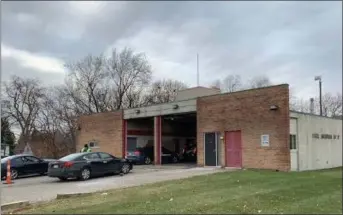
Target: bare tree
[[47, 120], [67, 111], [134, 97], [230, 83], [332, 105], [300, 105], [21, 103], [52, 127], [128, 71], [163, 91], [259, 81], [87, 84]]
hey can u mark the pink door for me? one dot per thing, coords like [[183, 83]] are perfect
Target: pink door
[[233, 143]]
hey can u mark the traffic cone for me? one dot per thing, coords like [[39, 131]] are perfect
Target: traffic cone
[[8, 176]]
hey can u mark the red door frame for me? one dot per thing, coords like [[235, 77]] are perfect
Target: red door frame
[[226, 146], [124, 131], [158, 138]]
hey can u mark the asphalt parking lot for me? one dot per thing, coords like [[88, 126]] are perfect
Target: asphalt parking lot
[[43, 188]]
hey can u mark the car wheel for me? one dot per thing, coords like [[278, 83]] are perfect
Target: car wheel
[[63, 178], [147, 160], [125, 168], [14, 174], [85, 174], [175, 159]]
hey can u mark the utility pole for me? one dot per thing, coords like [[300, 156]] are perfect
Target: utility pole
[[198, 70], [319, 79]]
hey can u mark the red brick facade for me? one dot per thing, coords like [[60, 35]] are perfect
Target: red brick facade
[[106, 129], [249, 112]]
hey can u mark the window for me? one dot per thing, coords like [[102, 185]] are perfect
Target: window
[[70, 157], [265, 140], [93, 144], [105, 155], [31, 159], [17, 161], [293, 141], [92, 156]]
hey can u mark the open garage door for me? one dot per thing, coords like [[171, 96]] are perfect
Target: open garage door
[[178, 143], [162, 140], [140, 140]]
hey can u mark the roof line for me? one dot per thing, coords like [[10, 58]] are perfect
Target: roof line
[[252, 89], [313, 114]]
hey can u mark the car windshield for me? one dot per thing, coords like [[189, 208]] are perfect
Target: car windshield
[[70, 157], [4, 160]]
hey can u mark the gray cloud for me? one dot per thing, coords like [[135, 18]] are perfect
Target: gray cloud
[[288, 41], [12, 68]]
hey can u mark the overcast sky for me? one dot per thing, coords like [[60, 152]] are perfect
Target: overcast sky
[[290, 42]]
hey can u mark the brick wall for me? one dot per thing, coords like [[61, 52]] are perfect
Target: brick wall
[[103, 128], [249, 112]]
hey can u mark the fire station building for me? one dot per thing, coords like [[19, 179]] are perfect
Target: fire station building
[[246, 129]]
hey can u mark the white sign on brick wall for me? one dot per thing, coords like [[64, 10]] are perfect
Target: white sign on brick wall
[[265, 140]]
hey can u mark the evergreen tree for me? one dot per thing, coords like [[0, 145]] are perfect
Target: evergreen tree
[[7, 136]]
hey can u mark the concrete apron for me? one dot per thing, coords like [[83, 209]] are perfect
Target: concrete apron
[[166, 166]]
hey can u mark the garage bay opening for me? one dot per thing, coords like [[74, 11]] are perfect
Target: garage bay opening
[[179, 139], [169, 139], [140, 140]]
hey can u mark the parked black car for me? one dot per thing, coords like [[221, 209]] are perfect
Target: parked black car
[[83, 166], [22, 165], [145, 155]]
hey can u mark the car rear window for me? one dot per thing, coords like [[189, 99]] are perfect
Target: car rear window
[[92, 156], [70, 157]]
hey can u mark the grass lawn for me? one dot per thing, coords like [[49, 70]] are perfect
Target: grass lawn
[[249, 191]]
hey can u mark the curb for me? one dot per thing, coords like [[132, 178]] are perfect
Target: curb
[[72, 195], [14, 205]]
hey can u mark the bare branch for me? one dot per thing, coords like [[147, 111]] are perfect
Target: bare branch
[[128, 71], [332, 105], [22, 102], [230, 83], [86, 81], [163, 91], [259, 81]]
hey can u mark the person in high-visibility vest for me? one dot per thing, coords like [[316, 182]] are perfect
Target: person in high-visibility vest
[[86, 149]]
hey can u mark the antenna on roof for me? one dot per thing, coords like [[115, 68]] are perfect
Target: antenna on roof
[[198, 70]]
